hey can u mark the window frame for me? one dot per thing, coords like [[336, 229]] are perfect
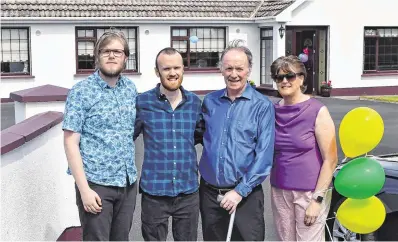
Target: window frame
[[261, 53], [20, 74], [94, 40], [377, 37], [179, 38]]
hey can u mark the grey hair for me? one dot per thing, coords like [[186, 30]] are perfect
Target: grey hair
[[237, 44], [105, 39]]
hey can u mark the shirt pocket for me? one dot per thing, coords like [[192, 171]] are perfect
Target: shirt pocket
[[209, 113], [128, 113], [103, 119], [244, 133]]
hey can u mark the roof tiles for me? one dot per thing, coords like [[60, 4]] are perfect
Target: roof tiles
[[142, 8]]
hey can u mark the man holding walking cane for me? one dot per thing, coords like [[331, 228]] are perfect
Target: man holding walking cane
[[238, 147]]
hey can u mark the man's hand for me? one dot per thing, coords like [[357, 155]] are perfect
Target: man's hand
[[312, 213], [91, 201], [230, 201]]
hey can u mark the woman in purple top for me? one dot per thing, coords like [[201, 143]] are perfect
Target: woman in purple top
[[305, 156]]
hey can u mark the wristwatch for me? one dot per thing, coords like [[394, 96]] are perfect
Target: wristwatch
[[318, 198]]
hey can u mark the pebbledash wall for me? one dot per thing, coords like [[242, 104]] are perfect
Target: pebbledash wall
[[53, 56], [37, 196], [346, 21]]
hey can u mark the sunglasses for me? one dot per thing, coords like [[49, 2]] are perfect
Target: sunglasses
[[289, 77]]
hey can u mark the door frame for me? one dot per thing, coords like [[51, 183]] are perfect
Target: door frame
[[317, 30]]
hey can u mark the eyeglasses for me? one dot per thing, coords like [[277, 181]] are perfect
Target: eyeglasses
[[290, 77], [107, 52]]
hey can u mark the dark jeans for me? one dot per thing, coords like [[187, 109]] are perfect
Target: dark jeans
[[249, 217], [156, 211], [115, 220]]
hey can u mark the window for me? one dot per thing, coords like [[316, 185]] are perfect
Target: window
[[206, 52], [380, 49], [266, 56], [86, 37], [15, 51]]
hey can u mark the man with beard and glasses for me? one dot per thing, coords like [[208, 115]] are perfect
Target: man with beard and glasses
[[238, 147], [170, 119], [98, 138]]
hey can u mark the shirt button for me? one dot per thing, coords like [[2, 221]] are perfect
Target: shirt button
[[175, 163], [173, 114], [175, 147], [174, 130], [225, 130], [222, 143], [174, 178]]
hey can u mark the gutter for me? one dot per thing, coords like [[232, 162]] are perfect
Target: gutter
[[49, 20], [265, 19]]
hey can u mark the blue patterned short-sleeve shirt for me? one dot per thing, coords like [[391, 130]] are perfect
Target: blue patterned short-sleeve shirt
[[104, 116]]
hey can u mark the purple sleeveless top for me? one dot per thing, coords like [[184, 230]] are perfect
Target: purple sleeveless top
[[297, 158]]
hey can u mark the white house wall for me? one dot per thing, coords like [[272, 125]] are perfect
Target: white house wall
[[346, 21], [29, 109], [38, 198], [53, 58]]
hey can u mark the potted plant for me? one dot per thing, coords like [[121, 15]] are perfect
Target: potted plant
[[326, 88], [252, 83]]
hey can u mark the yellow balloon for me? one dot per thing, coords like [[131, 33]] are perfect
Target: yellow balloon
[[362, 216], [360, 131]]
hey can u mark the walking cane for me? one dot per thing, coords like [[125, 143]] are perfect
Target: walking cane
[[231, 220]]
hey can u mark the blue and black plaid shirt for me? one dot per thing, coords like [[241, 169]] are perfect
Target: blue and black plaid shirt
[[170, 164]]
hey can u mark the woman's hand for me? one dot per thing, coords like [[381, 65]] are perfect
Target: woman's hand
[[312, 213]]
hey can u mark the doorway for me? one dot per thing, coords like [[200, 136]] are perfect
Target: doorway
[[311, 41]]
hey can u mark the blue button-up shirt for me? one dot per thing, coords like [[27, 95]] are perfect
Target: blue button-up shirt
[[170, 164], [105, 117], [238, 144]]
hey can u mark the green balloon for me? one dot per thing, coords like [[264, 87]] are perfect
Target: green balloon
[[361, 178]]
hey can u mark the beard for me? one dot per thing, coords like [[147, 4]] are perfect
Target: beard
[[171, 86], [114, 72]]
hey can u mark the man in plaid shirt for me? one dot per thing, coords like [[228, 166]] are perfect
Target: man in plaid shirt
[[171, 121]]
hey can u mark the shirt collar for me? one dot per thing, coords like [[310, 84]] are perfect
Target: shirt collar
[[247, 93], [161, 96], [103, 84]]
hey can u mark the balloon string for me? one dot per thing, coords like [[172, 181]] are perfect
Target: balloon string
[[330, 234], [327, 226]]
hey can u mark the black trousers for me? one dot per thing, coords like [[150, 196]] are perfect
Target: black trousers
[[114, 222], [249, 217], [155, 213]]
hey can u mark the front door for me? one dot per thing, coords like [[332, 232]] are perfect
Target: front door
[[305, 44], [312, 42]]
